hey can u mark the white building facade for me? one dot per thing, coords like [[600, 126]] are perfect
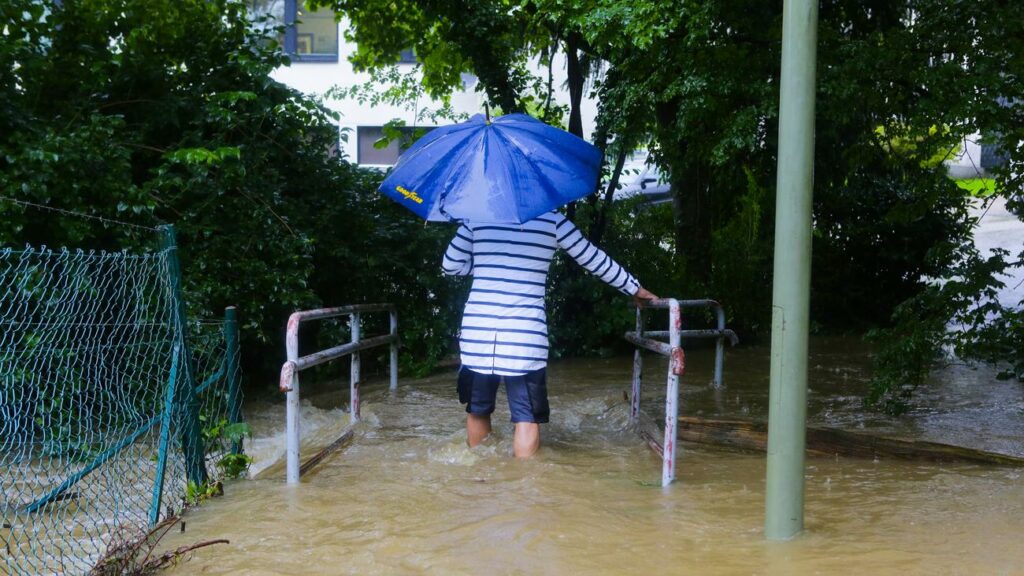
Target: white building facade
[[320, 62]]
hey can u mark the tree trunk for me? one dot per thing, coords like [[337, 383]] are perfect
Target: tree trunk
[[601, 142], [695, 226], [575, 79], [476, 25], [692, 227], [602, 217]]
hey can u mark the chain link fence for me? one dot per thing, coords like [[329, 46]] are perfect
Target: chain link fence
[[114, 412]]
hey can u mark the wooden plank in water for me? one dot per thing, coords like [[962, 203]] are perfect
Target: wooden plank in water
[[751, 435], [342, 441], [650, 432]]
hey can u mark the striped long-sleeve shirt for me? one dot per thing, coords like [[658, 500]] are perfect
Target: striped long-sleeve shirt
[[504, 326]]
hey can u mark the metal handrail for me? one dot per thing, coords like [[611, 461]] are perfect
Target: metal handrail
[[720, 332], [677, 365], [289, 382]]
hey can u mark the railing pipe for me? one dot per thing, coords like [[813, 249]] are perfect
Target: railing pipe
[[668, 461], [354, 369], [677, 365], [703, 333], [719, 346], [324, 313], [716, 380], [317, 358], [638, 369], [289, 382], [699, 303], [393, 317], [650, 344], [292, 423], [720, 332]]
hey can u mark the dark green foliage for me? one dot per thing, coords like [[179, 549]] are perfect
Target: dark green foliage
[[873, 236], [742, 251], [900, 85], [221, 434], [896, 96], [163, 111], [370, 249], [463, 35], [953, 318], [151, 111]]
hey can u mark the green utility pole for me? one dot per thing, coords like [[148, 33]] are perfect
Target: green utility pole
[[787, 411]]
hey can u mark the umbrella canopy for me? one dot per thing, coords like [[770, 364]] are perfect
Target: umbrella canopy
[[506, 171]]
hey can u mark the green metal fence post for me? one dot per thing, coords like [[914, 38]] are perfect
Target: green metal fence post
[[231, 371], [165, 435], [787, 404], [189, 428]]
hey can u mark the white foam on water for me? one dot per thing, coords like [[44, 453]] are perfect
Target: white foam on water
[[318, 426], [455, 452]]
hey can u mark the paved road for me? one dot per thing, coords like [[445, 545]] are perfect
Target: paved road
[[998, 228]]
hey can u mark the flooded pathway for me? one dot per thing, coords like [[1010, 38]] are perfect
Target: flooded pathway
[[1000, 228], [407, 497]]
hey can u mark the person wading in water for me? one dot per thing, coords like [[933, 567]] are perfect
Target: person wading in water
[[504, 332]]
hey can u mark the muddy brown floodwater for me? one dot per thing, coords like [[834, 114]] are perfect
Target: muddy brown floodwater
[[407, 496]]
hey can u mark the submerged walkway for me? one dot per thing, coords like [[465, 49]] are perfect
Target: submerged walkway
[[999, 228], [407, 497]]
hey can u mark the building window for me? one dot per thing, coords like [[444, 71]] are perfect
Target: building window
[[367, 153], [309, 35], [367, 136], [407, 57]]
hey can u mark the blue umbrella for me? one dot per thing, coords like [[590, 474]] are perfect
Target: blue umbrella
[[506, 171]]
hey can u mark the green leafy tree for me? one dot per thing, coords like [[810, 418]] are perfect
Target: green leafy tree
[[154, 111], [164, 111], [900, 85]]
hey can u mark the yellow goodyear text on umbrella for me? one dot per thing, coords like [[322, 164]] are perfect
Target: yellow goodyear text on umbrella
[[409, 194]]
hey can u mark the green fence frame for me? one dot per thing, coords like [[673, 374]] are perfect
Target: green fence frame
[[179, 402]]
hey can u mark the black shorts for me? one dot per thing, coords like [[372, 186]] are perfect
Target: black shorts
[[527, 394]]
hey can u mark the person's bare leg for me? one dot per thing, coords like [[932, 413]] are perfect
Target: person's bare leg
[[526, 440], [478, 427]]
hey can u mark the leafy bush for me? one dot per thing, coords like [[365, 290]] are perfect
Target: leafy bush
[[152, 111]]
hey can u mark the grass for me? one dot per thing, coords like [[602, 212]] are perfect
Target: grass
[[978, 187]]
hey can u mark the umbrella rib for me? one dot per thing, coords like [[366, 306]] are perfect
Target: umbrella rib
[[445, 169], [537, 130], [428, 142], [540, 174]]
